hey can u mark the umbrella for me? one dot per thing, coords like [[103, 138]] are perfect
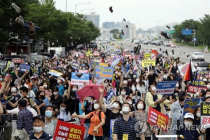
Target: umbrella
[[90, 90], [205, 64], [154, 52]]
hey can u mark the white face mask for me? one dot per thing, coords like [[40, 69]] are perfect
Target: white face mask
[[208, 86], [62, 108], [114, 105], [125, 82], [198, 114], [123, 92], [55, 93], [125, 110], [201, 78], [37, 129], [45, 86], [140, 106], [187, 123], [96, 106], [116, 72], [197, 94], [130, 102], [137, 80], [58, 81], [13, 90], [105, 84], [177, 85], [153, 88], [74, 89]]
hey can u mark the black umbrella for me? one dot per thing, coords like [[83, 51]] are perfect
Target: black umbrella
[[205, 64]]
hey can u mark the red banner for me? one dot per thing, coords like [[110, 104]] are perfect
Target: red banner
[[68, 131], [17, 60], [158, 119], [194, 89]]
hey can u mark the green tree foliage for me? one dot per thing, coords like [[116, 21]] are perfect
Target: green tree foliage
[[115, 33], [204, 30], [48, 2]]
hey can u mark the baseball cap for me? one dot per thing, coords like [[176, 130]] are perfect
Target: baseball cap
[[189, 115], [39, 117], [62, 79]]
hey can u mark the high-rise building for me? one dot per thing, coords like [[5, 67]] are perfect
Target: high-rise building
[[94, 18], [108, 25]]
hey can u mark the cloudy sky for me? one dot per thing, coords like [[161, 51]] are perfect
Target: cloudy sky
[[143, 13]]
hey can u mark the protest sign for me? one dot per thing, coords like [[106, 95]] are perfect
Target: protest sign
[[24, 67], [96, 53], [104, 72], [103, 64], [111, 96], [191, 104], [83, 71], [35, 70], [166, 87], [197, 83], [55, 73], [17, 60], [93, 63], [115, 62], [76, 80], [81, 55], [147, 63], [147, 55], [205, 114], [75, 66], [68, 131], [203, 73], [112, 128], [194, 89], [158, 119]]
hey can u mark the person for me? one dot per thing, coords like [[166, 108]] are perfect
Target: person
[[140, 87], [141, 116], [97, 120], [64, 114], [122, 97], [197, 115], [50, 122], [38, 125], [60, 86], [24, 117], [15, 97], [87, 107], [124, 126], [176, 112], [40, 96], [114, 113], [151, 76], [188, 132], [47, 91], [55, 98]]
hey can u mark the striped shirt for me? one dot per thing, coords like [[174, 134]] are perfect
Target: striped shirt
[[122, 127]]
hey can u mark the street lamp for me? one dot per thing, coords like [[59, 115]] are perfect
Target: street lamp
[[80, 4], [86, 10]]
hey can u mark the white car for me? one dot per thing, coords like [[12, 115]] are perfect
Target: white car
[[197, 56], [173, 45]]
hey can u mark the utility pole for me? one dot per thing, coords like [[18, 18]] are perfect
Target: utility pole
[[194, 38]]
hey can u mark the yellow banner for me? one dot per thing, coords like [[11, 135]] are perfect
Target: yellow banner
[[103, 64], [146, 63], [147, 55], [8, 64]]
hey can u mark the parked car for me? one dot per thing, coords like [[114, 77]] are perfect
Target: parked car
[[93, 45], [145, 42], [173, 45], [168, 44], [136, 41], [197, 56], [157, 43], [153, 42]]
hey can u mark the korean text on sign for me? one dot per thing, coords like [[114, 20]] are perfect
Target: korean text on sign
[[205, 109], [191, 104], [194, 89], [157, 118], [146, 63], [67, 131]]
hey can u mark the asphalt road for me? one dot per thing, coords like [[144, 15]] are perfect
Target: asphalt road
[[179, 51]]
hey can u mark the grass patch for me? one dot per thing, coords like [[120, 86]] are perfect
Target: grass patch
[[196, 47]]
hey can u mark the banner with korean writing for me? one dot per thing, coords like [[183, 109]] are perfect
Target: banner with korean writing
[[77, 79], [147, 55], [24, 67], [111, 96], [158, 119], [68, 131], [104, 72], [93, 63], [197, 83], [194, 89], [191, 104], [203, 73], [205, 114], [166, 87], [147, 63], [112, 128], [103, 64]]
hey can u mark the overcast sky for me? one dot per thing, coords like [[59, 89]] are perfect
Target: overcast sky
[[143, 13]]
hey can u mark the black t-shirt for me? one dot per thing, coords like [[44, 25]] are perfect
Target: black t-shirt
[[155, 98], [128, 90], [73, 106], [109, 115], [42, 109], [88, 109], [14, 100], [56, 101], [151, 78]]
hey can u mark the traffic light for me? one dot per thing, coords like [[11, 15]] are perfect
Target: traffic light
[[31, 30], [19, 20]]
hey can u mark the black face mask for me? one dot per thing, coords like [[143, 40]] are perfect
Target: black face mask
[[181, 99], [182, 106], [42, 97]]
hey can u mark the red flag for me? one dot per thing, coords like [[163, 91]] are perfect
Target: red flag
[[188, 75]]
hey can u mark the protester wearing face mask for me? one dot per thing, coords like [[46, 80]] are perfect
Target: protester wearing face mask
[[207, 93], [55, 99], [208, 86], [112, 113], [64, 114], [87, 107], [124, 84], [40, 96], [122, 97], [197, 116], [124, 126], [151, 76], [50, 122], [139, 86], [188, 132], [74, 88], [15, 97], [47, 91], [129, 100], [97, 120], [176, 112], [141, 116], [38, 125], [60, 86], [201, 93], [73, 103]]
